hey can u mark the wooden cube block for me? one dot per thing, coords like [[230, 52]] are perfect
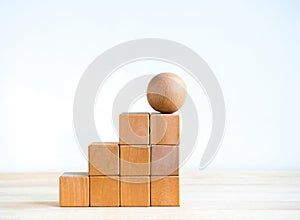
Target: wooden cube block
[[134, 160], [165, 129], [104, 159], [135, 191], [74, 189], [165, 191], [164, 160], [134, 128], [104, 191]]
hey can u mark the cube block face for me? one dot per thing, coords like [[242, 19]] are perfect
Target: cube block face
[[165, 129], [134, 160], [135, 191], [104, 191], [103, 159], [164, 160], [134, 128], [74, 190], [165, 191]]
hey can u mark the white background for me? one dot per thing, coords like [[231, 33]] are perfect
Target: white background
[[252, 47]]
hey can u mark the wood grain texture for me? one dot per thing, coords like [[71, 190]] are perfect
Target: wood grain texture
[[166, 92], [74, 189], [103, 158], [135, 191], [220, 195], [134, 128], [165, 129], [164, 160], [165, 191], [134, 160], [104, 191]]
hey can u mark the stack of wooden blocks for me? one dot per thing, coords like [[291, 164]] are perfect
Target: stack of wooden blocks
[[141, 170]]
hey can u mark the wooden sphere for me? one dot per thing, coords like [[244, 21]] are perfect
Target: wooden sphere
[[166, 92]]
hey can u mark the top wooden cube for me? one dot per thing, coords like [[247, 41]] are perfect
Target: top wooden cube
[[134, 128], [165, 129]]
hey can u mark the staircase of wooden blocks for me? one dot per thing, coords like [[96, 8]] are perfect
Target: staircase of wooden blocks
[[141, 170]]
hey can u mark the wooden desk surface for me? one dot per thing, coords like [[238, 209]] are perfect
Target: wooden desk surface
[[204, 195]]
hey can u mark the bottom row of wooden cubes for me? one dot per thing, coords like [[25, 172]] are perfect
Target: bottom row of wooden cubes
[[77, 189]]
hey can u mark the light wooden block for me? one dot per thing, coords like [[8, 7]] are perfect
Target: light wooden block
[[165, 191], [134, 128], [165, 129], [74, 189], [164, 160], [104, 191], [135, 160], [103, 159], [135, 191]]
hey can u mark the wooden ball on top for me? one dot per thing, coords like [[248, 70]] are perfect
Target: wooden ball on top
[[166, 92]]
